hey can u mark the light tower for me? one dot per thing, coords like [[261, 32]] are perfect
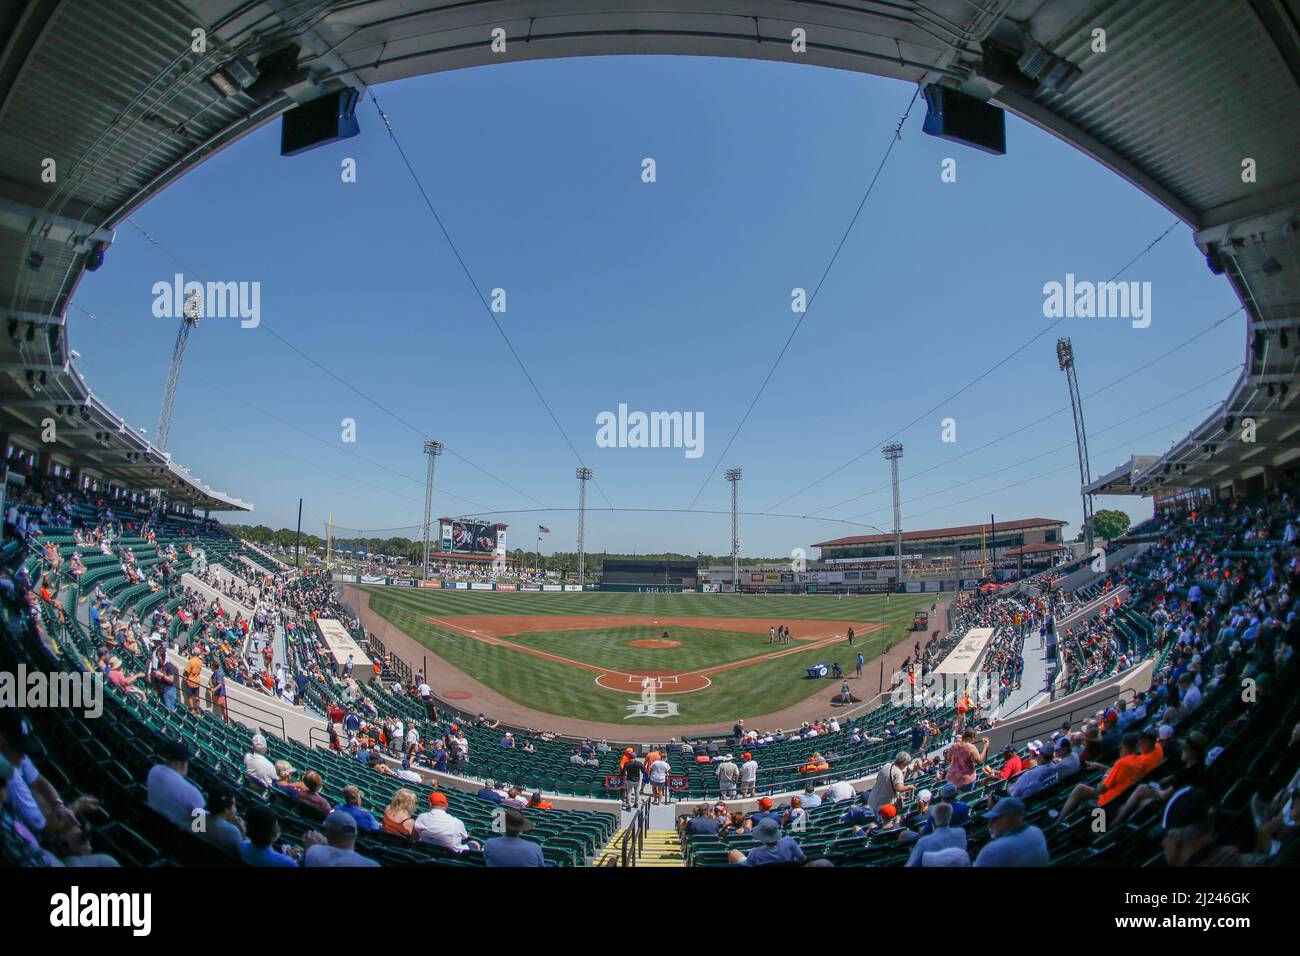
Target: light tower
[[1065, 359], [894, 451], [433, 449], [191, 312], [733, 475], [584, 475]]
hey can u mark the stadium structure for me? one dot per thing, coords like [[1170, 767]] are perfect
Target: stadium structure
[[218, 660]]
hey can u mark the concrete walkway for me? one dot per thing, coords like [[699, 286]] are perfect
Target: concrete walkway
[[1033, 680]]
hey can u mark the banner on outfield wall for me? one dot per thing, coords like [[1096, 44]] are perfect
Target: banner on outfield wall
[[969, 584], [455, 586], [932, 585], [507, 587], [480, 586], [373, 579], [552, 587], [435, 583], [787, 577], [912, 587], [346, 578], [644, 588], [772, 577], [757, 578], [403, 582]]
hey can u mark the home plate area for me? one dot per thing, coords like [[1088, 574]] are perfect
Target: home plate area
[[661, 682]]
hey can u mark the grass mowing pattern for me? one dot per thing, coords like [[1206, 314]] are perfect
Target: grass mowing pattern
[[555, 688]]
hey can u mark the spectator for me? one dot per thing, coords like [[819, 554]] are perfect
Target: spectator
[[399, 815], [839, 791], [440, 828], [1014, 843], [748, 775], [311, 796], [945, 837], [169, 793], [338, 850], [351, 805], [890, 783], [511, 850], [1188, 832], [773, 848], [257, 765], [728, 775], [223, 828], [263, 831], [703, 823], [1126, 771], [1039, 777]]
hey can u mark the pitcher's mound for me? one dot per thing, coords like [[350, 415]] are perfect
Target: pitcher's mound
[[654, 642]]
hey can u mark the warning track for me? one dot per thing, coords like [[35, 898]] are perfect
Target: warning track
[[487, 629]]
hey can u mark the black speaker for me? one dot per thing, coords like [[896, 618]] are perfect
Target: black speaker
[[951, 114], [326, 119]]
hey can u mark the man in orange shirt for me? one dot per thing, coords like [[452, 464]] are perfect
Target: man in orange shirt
[[193, 675], [1131, 767]]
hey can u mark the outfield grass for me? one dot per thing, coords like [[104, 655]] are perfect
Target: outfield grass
[[560, 689]]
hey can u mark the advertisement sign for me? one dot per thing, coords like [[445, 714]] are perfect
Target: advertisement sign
[[402, 582], [756, 579], [852, 575], [772, 577], [834, 577], [435, 583], [480, 586], [787, 577], [507, 587], [552, 587], [912, 587], [373, 579]]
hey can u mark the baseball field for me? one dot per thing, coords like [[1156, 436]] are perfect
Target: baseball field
[[648, 659]]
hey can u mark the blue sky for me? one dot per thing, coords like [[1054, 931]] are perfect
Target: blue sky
[[667, 296]]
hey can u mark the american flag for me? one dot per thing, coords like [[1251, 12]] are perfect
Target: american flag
[[542, 529]]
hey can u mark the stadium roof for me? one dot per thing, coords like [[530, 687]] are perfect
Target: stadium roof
[[1181, 96], [963, 531]]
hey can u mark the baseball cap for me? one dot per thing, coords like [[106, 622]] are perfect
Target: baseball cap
[[948, 791], [765, 803], [925, 796], [767, 831], [888, 811], [437, 800], [1035, 746], [1188, 806], [515, 820], [1006, 807], [339, 824], [745, 756], [16, 730], [174, 750]]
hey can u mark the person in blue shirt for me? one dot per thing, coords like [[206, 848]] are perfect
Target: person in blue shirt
[[960, 811], [489, 792], [351, 805], [772, 848], [511, 850], [1014, 843], [765, 812], [263, 831], [1039, 777]]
